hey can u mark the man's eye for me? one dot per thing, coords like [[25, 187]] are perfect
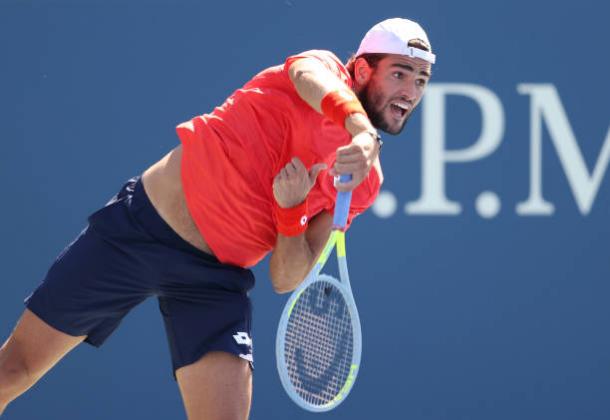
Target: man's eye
[[421, 82], [398, 74]]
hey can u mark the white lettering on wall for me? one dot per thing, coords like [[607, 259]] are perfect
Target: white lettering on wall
[[433, 200], [545, 105]]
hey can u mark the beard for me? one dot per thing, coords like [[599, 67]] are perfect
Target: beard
[[372, 101]]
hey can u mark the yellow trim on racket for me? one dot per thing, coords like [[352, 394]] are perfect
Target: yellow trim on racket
[[328, 248], [351, 377], [340, 244], [294, 302]]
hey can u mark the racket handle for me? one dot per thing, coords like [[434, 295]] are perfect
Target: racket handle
[[342, 204]]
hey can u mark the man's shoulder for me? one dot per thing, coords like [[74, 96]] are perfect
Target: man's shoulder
[[326, 56], [320, 53]]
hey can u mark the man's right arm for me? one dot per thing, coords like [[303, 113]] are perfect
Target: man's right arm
[[313, 81]]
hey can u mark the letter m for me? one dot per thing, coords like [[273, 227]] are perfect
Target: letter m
[[545, 105]]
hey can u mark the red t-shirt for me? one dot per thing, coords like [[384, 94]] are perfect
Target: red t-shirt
[[231, 156]]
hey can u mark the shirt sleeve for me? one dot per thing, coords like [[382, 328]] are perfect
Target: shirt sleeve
[[327, 58]]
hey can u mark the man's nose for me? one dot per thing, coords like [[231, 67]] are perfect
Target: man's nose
[[408, 91]]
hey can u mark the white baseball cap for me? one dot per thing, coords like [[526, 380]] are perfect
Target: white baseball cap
[[392, 36]]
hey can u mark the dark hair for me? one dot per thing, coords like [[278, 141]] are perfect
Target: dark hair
[[372, 59]]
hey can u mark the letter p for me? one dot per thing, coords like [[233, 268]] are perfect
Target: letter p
[[435, 157]]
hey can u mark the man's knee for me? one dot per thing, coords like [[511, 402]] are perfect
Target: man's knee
[[14, 374]]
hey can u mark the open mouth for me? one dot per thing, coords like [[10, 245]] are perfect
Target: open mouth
[[399, 110]]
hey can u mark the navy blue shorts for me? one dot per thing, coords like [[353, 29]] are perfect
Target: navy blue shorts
[[128, 253]]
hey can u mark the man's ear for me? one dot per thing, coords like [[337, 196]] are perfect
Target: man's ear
[[362, 71]]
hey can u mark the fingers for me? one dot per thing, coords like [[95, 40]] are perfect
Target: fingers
[[350, 159], [294, 168], [356, 158], [349, 153], [350, 168], [363, 146], [290, 169], [293, 182], [297, 165], [315, 171]]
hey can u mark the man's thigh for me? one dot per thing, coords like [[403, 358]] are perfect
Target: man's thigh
[[217, 387]]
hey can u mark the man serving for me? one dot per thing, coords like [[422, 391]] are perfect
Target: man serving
[[254, 176]]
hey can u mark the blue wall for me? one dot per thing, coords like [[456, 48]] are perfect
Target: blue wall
[[463, 317]]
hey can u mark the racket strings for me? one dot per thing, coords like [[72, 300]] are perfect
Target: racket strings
[[319, 344]]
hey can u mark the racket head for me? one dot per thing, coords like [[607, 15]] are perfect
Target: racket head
[[319, 344]]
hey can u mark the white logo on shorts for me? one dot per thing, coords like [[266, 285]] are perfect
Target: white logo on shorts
[[247, 357], [243, 338]]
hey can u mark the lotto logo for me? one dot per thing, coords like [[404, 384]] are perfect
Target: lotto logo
[[243, 338], [247, 357]]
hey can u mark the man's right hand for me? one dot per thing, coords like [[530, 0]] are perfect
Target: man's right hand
[[293, 183], [357, 159]]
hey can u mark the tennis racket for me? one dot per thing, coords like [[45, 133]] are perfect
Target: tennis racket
[[319, 341]]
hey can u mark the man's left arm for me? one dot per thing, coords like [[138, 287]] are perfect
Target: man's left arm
[[294, 256], [297, 247]]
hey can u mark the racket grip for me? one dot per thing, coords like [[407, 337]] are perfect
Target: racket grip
[[342, 204]]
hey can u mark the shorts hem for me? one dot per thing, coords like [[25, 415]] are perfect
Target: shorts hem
[[32, 307], [209, 350]]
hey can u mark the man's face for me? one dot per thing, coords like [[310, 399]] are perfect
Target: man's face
[[393, 90]]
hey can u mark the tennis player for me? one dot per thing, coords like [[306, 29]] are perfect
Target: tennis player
[[254, 176]]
